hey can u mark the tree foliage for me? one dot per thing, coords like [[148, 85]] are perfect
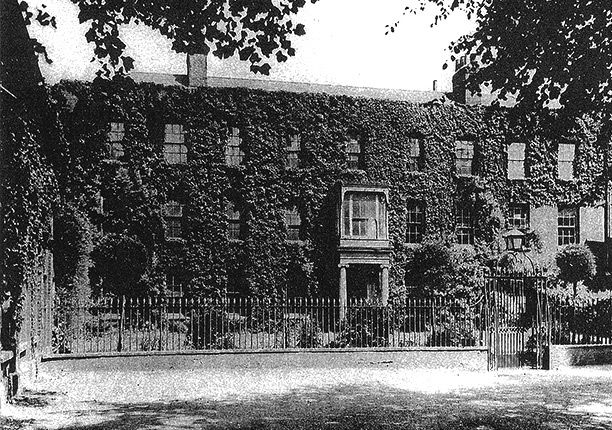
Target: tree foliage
[[72, 246], [442, 270], [576, 263], [541, 51], [120, 261], [256, 31]]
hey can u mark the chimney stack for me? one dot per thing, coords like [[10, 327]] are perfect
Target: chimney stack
[[197, 70]]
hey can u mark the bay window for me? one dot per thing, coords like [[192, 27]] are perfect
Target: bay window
[[364, 216]]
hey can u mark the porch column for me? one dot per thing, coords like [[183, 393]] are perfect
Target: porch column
[[342, 293], [384, 284]]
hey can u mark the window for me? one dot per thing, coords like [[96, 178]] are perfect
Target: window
[[173, 214], [174, 134], [234, 222], [414, 154], [293, 152], [175, 154], [364, 216], [464, 229], [353, 154], [293, 223], [565, 164], [516, 160], [174, 285], [115, 136], [567, 226], [464, 155], [175, 151], [518, 216], [233, 152], [415, 223]]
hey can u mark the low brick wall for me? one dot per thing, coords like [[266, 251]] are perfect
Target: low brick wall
[[579, 355], [469, 359]]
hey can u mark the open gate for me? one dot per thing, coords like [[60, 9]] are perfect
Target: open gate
[[517, 319]]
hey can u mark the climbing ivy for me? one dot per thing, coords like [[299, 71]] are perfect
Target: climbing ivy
[[263, 262], [28, 194]]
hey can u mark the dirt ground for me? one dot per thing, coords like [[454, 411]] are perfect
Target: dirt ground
[[201, 392]]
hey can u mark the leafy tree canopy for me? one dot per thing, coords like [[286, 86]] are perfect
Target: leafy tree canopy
[[120, 261], [576, 263], [541, 51], [254, 30]]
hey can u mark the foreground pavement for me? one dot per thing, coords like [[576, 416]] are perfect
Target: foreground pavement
[[201, 392]]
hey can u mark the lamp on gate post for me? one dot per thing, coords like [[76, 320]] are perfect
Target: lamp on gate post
[[515, 240], [515, 247]]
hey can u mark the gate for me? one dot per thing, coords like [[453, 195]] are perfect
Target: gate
[[517, 326]]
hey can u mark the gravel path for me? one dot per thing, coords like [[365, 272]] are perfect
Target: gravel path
[[202, 392]]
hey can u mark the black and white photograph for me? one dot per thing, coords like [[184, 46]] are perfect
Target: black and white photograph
[[305, 214]]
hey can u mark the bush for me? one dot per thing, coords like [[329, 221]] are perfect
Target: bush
[[453, 327], [120, 261], [298, 333], [442, 270], [359, 329], [72, 246], [576, 264]]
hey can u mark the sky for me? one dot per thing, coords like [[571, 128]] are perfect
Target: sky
[[345, 44]]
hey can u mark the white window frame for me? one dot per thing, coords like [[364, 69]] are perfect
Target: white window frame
[[565, 161], [464, 157], [516, 160]]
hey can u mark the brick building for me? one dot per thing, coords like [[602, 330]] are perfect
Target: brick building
[[265, 186]]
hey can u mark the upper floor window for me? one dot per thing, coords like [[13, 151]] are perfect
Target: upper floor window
[[292, 154], [293, 222], [174, 133], [234, 222], [364, 216], [415, 222], [175, 151], [353, 153], [464, 156], [175, 154], [173, 214], [116, 136], [567, 226], [518, 216], [414, 154], [233, 151], [516, 160], [567, 152], [464, 227]]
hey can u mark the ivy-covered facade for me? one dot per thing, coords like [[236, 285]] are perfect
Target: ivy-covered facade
[[239, 191]]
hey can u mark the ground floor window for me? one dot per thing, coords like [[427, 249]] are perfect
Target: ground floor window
[[567, 226], [464, 227]]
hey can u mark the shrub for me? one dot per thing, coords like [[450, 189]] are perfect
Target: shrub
[[298, 333], [72, 246], [442, 270], [576, 264], [120, 261], [363, 329]]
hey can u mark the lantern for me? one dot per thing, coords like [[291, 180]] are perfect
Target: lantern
[[515, 240]]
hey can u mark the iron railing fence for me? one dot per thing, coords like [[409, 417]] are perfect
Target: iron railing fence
[[176, 324], [580, 321]]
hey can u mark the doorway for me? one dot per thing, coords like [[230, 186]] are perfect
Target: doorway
[[363, 282]]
